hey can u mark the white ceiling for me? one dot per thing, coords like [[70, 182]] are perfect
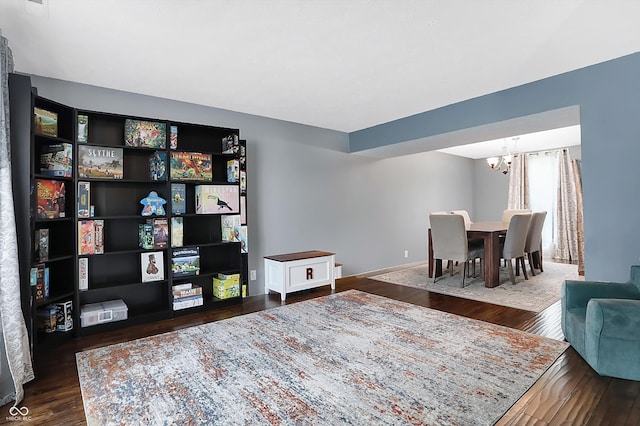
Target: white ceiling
[[530, 142], [335, 64]]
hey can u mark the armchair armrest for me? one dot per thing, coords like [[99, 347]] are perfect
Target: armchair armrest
[[576, 294], [614, 318], [635, 275]]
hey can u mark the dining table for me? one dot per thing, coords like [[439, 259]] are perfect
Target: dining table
[[490, 233]]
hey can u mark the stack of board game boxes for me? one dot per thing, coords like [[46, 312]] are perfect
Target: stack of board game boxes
[[186, 295]]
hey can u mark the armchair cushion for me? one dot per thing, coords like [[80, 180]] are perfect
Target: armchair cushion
[[601, 320]]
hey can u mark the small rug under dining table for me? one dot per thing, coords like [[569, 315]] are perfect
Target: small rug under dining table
[[534, 295], [346, 358]]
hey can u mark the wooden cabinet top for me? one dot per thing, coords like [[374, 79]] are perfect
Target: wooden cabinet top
[[299, 255]]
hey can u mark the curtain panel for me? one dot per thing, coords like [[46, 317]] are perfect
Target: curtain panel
[[15, 351], [518, 183], [569, 232]]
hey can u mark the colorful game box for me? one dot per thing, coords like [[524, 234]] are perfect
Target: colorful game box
[[100, 162], [145, 232], [84, 199], [173, 138], [145, 134], [185, 261], [158, 166], [45, 122], [50, 196], [83, 128], [233, 171], [86, 237], [217, 199], [192, 166], [160, 233], [56, 159], [226, 286], [178, 198]]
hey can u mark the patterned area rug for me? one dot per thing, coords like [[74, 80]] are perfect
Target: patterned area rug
[[349, 358], [534, 294]]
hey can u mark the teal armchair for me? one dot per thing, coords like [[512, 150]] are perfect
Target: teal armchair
[[601, 320]]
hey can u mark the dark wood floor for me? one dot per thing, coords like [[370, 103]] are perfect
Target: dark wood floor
[[570, 392]]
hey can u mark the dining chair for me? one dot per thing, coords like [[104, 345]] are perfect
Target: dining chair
[[465, 215], [533, 246], [449, 240], [507, 214], [515, 241], [474, 243]]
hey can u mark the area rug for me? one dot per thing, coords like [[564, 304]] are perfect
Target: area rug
[[535, 294], [348, 358]]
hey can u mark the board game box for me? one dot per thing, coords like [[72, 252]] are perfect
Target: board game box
[[50, 196], [173, 138], [177, 232], [158, 166], [152, 266], [233, 171], [41, 244], [230, 144], [100, 162], [86, 237], [191, 166], [64, 316], [83, 273], [145, 134], [84, 199], [185, 261], [56, 159], [160, 232], [45, 122], [178, 198], [228, 224], [145, 234], [217, 199], [83, 128]]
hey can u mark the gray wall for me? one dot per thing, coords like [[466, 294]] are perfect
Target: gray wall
[[608, 97], [305, 191]]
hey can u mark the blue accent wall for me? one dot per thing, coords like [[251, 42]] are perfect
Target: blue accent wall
[[608, 95]]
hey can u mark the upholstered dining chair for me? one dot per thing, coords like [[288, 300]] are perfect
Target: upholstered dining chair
[[465, 215], [508, 214], [533, 246], [474, 243], [449, 240], [515, 241]]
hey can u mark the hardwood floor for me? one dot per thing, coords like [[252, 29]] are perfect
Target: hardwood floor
[[570, 392]]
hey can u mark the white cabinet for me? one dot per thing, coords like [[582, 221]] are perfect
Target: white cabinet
[[291, 272]]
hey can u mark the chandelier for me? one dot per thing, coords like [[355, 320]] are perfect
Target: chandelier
[[503, 163]]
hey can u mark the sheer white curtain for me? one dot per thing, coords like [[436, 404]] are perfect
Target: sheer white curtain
[[518, 183], [14, 352], [543, 172]]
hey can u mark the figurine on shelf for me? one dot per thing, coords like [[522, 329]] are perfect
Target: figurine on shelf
[[153, 204]]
